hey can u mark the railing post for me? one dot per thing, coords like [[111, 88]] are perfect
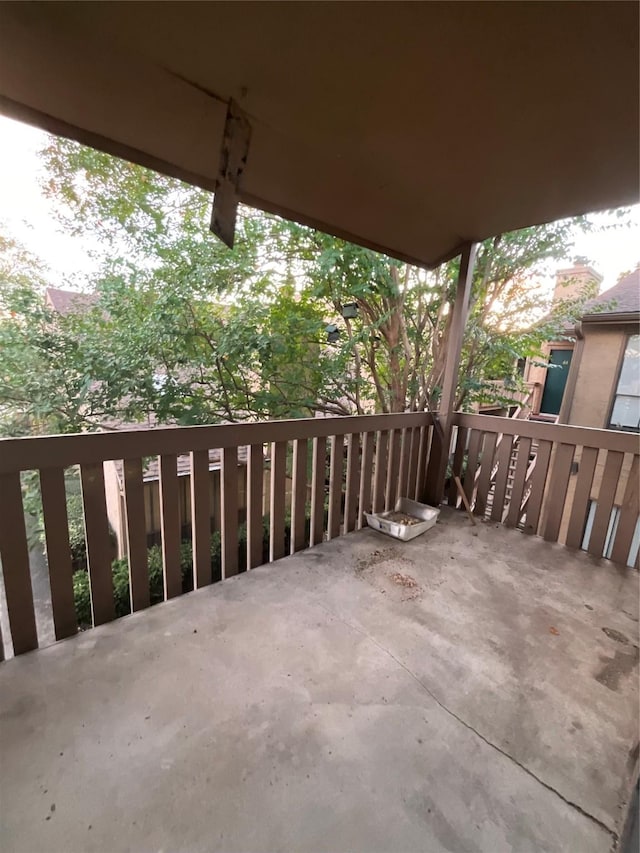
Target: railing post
[[442, 426]]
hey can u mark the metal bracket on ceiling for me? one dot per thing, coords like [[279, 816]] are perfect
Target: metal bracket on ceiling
[[233, 159]]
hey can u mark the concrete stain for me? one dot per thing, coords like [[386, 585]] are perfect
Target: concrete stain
[[618, 636], [617, 667]]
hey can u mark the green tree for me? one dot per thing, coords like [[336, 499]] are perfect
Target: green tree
[[187, 331], [45, 383]]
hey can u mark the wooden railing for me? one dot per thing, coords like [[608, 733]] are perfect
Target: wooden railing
[[352, 464], [572, 485]]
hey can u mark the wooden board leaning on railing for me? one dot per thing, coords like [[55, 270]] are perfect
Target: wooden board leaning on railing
[[573, 485], [325, 471]]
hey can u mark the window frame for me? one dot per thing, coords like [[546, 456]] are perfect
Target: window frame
[[615, 394]]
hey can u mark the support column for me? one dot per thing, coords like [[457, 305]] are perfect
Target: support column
[[439, 456]]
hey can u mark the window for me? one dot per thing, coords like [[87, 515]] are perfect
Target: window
[[625, 413]]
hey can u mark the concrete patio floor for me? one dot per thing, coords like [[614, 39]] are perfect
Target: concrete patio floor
[[472, 690]]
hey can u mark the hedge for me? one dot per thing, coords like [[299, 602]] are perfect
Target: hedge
[[120, 572]]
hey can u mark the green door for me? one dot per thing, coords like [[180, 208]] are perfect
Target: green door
[[555, 381]]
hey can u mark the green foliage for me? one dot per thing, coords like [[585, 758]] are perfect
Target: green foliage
[[186, 331], [120, 574], [82, 598]]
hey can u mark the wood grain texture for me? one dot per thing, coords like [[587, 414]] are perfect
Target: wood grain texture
[[393, 470], [414, 446], [473, 455], [380, 471], [514, 512], [503, 461], [14, 554], [486, 471], [139, 592], [98, 541], [606, 439], [628, 516], [170, 523], [453, 495], [352, 488], [255, 520], [23, 454], [56, 528], [403, 473], [299, 496], [200, 519], [229, 504], [335, 486], [423, 461], [538, 485], [558, 484], [366, 474], [581, 497], [277, 500], [318, 478], [606, 496]]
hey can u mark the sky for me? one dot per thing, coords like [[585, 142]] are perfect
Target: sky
[[28, 216]]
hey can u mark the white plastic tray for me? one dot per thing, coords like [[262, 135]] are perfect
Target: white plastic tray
[[381, 521]]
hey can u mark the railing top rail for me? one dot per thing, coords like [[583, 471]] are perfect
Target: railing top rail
[[62, 451], [604, 439]]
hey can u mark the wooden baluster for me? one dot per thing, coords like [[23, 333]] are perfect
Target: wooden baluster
[[403, 473], [170, 524], [229, 496], [255, 520], [277, 500], [99, 551], [56, 528], [335, 486], [581, 496], [318, 477], [380, 474], [606, 497], [486, 469], [558, 484], [503, 459], [393, 470], [353, 482], [200, 518], [472, 464], [364, 498], [139, 592], [14, 553], [423, 460], [628, 517], [538, 483], [414, 442], [519, 477], [299, 496], [453, 498]]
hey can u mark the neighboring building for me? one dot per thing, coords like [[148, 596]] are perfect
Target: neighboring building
[[548, 385], [68, 301], [601, 389], [603, 384], [114, 490]]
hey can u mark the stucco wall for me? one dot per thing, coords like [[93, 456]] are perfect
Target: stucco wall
[[597, 376]]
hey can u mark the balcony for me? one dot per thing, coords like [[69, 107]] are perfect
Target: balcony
[[473, 688]]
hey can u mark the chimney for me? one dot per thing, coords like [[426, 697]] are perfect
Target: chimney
[[578, 282]]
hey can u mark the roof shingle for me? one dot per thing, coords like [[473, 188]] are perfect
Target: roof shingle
[[623, 296]]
